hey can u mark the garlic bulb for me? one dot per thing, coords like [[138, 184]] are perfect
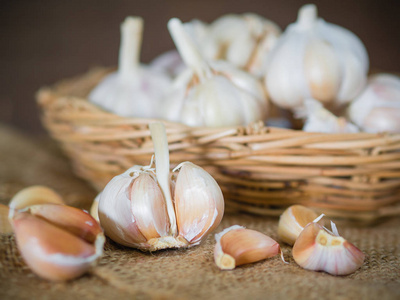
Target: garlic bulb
[[57, 242], [211, 94], [316, 59], [319, 119], [134, 90], [243, 40], [138, 209], [377, 108], [169, 62], [238, 246], [317, 249]]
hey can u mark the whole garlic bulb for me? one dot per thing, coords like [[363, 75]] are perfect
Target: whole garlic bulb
[[377, 108], [138, 208], [169, 62], [211, 94], [316, 59], [135, 89], [242, 40], [319, 119]]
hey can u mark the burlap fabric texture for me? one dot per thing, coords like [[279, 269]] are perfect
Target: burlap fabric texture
[[125, 273]]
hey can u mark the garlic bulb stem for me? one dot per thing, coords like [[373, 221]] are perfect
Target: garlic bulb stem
[[131, 41], [307, 16], [190, 55], [159, 137]]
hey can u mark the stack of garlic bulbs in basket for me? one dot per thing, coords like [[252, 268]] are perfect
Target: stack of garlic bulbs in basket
[[228, 69]]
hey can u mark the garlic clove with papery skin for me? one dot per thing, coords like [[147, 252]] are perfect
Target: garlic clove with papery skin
[[135, 89], [211, 94], [146, 208], [317, 249], [237, 246], [315, 59], [33, 195], [319, 119], [377, 108], [292, 222]]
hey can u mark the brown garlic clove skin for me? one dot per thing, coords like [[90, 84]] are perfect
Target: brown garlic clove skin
[[317, 250], [238, 246], [56, 241], [292, 222]]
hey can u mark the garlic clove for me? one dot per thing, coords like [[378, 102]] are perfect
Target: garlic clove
[[94, 209], [199, 203], [292, 222], [5, 225], [321, 68], [148, 207], [71, 219], [34, 195], [50, 251], [317, 250], [237, 246]]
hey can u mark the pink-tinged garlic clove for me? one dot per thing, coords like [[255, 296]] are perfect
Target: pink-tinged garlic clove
[[292, 222], [318, 250], [52, 252], [238, 246], [34, 195]]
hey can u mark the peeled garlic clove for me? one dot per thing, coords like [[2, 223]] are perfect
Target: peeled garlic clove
[[319, 119], [5, 225], [135, 89], [238, 246], [315, 59], [211, 94], [292, 222], [318, 250], [199, 203], [34, 195], [377, 108]]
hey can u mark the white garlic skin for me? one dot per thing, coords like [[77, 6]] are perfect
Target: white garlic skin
[[319, 119], [169, 62], [243, 40], [229, 97], [316, 59], [377, 108]]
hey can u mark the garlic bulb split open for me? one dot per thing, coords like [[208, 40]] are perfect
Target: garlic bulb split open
[[242, 40], [57, 242], [138, 209], [292, 222], [238, 246], [211, 94], [377, 108], [319, 119], [135, 89], [316, 59], [317, 249]]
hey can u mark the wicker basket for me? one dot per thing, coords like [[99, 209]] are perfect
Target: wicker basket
[[260, 169]]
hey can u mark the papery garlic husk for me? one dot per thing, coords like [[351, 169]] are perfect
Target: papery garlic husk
[[292, 222], [135, 89], [237, 246], [136, 208], [319, 119], [316, 59], [243, 40], [318, 250], [213, 94], [56, 241], [377, 108]]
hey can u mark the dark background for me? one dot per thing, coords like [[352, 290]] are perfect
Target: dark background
[[44, 41]]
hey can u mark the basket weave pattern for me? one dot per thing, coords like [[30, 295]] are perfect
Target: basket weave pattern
[[260, 169]]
